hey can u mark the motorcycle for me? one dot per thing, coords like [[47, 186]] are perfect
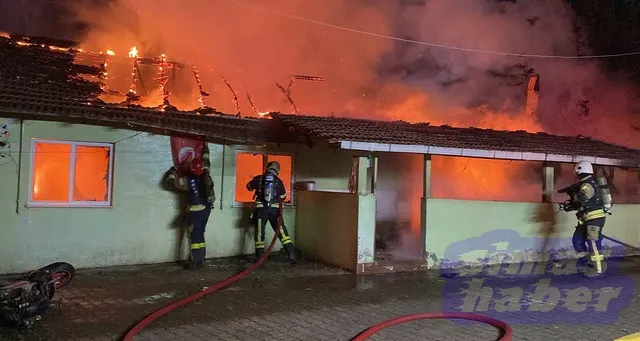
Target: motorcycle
[[24, 299]]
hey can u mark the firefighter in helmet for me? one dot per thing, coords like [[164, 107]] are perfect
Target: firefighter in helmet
[[200, 197], [587, 237], [269, 194]]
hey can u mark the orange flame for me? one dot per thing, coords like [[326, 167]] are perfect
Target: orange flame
[[133, 52]]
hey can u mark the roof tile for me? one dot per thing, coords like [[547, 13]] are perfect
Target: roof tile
[[333, 130]]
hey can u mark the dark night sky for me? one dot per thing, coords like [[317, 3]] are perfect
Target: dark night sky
[[39, 18]]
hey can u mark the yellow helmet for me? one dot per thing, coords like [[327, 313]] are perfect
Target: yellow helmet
[[274, 165]]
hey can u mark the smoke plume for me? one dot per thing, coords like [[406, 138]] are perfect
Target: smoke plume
[[253, 49]]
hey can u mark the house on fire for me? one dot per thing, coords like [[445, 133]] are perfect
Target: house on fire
[[81, 178]]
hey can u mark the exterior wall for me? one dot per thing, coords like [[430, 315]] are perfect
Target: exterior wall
[[330, 168], [452, 221], [138, 227], [328, 217], [366, 228], [328, 227]]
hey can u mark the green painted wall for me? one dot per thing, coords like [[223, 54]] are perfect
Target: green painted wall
[[451, 221], [327, 227], [137, 229], [329, 167], [141, 226], [366, 228]]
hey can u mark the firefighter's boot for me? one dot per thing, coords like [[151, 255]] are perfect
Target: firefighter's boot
[[202, 253], [191, 263], [258, 255], [583, 264], [291, 252]]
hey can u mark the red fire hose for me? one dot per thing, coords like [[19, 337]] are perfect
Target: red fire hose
[[506, 329]]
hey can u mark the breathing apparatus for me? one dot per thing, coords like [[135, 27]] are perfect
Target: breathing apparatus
[[268, 190], [585, 167]]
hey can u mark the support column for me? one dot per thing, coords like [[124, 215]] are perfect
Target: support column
[[367, 174], [548, 173], [366, 210], [426, 194]]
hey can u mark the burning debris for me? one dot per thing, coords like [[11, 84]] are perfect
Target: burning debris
[[253, 106], [199, 82], [162, 79], [233, 92], [132, 95], [287, 91]]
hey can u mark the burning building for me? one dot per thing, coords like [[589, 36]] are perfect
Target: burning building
[[84, 159]]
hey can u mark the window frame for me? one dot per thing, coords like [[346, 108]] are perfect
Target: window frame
[[71, 203], [265, 154]]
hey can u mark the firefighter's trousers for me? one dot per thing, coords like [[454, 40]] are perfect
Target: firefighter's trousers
[[261, 216], [197, 222], [585, 232]]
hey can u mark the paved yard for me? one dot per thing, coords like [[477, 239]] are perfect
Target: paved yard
[[278, 302]]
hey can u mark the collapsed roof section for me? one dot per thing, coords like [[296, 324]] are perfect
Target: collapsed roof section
[[39, 80]]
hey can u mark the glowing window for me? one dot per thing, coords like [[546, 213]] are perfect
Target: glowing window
[[70, 174], [249, 165]]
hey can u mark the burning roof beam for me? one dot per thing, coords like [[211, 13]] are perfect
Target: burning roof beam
[[203, 94], [287, 92], [533, 90], [251, 102], [132, 95]]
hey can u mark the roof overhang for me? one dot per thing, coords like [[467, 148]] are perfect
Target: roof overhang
[[115, 123], [481, 153]]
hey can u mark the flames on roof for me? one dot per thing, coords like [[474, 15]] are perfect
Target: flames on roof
[[93, 68]]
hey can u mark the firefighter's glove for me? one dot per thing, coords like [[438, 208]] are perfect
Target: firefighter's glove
[[593, 232]]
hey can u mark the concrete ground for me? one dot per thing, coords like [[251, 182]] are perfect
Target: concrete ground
[[280, 302]]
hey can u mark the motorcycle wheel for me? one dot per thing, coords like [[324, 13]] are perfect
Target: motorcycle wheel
[[61, 272]]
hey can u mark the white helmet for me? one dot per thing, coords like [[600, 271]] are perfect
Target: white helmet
[[583, 167]]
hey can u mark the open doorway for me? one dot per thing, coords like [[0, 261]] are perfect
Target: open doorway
[[399, 188]]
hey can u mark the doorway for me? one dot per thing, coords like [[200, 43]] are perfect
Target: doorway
[[399, 190]]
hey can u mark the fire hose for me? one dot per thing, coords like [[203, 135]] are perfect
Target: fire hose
[[506, 331], [621, 243]]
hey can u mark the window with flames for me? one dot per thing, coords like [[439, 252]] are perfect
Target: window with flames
[[70, 174], [249, 165]]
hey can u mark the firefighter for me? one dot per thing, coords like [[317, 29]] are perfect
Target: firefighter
[[200, 197], [587, 237], [269, 194]]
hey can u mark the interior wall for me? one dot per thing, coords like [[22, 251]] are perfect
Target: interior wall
[[465, 178], [399, 189]]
